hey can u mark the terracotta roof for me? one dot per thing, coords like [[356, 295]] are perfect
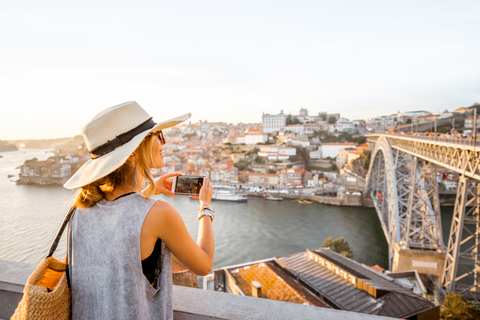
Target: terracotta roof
[[276, 285], [357, 151]]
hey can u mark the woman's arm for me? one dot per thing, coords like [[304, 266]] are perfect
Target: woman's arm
[[163, 185], [163, 221]]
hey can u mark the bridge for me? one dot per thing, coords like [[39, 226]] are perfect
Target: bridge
[[402, 183]]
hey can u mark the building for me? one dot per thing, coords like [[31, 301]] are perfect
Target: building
[[469, 122], [295, 128], [274, 153], [342, 157], [355, 154], [264, 280], [54, 170], [273, 122], [324, 278], [303, 117], [235, 139], [345, 125], [461, 110], [332, 149], [294, 176], [253, 138], [383, 123], [348, 285], [262, 178]]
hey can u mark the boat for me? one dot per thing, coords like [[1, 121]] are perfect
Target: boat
[[194, 196], [273, 198], [10, 176], [303, 201], [229, 197]]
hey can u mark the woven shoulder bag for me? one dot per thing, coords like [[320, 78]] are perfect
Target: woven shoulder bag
[[47, 294]]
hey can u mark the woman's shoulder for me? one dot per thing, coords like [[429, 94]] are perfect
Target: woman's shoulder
[[162, 210]]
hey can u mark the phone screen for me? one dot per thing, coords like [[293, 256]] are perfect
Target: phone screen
[[188, 185]]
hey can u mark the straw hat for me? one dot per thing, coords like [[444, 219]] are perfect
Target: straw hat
[[112, 136]]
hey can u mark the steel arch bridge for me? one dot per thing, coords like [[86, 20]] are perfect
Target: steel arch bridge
[[402, 183]]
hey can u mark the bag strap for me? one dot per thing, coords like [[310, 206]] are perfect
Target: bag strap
[[55, 242]]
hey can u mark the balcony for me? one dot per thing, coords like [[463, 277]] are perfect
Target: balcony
[[188, 303]]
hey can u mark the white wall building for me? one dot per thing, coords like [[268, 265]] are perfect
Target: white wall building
[[273, 122], [287, 151], [301, 129], [274, 153], [331, 149], [255, 137], [295, 128]]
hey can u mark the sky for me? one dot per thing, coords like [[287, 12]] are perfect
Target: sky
[[62, 62]]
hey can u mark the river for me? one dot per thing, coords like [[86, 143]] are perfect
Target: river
[[258, 229]]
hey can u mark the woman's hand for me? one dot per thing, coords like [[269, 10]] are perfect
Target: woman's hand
[[163, 185], [206, 192]]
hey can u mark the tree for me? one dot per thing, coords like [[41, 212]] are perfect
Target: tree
[[291, 120], [339, 245], [332, 119], [242, 165], [323, 116], [366, 163], [456, 307], [30, 161], [260, 160]]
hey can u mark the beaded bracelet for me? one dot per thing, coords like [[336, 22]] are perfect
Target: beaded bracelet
[[205, 206]]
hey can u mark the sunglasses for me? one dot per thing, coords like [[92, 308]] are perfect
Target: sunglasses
[[161, 137]]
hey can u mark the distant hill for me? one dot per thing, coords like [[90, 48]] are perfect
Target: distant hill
[[5, 146], [41, 143], [71, 144]]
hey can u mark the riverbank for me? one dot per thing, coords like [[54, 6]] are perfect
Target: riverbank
[[347, 201], [446, 200]]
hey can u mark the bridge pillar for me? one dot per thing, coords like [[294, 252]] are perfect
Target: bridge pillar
[[462, 264], [429, 262]]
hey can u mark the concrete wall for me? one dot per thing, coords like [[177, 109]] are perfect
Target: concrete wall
[[190, 303]]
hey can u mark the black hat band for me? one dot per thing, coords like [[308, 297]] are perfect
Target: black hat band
[[120, 140]]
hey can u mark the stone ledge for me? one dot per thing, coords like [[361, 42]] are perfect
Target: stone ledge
[[189, 303]]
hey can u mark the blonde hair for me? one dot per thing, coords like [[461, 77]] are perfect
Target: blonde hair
[[89, 195]]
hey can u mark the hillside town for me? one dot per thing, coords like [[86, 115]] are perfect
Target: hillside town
[[322, 157]]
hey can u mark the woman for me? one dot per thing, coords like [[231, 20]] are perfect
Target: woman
[[118, 234]]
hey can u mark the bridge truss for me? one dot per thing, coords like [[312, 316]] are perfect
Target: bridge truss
[[402, 184], [410, 218]]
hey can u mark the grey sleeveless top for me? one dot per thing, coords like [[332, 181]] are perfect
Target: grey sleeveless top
[[107, 281]]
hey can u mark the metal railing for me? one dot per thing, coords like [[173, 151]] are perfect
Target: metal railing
[[459, 141]]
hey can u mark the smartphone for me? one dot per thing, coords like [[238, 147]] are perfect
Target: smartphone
[[187, 184]]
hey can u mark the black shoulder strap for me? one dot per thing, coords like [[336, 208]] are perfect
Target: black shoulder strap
[[158, 269]]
